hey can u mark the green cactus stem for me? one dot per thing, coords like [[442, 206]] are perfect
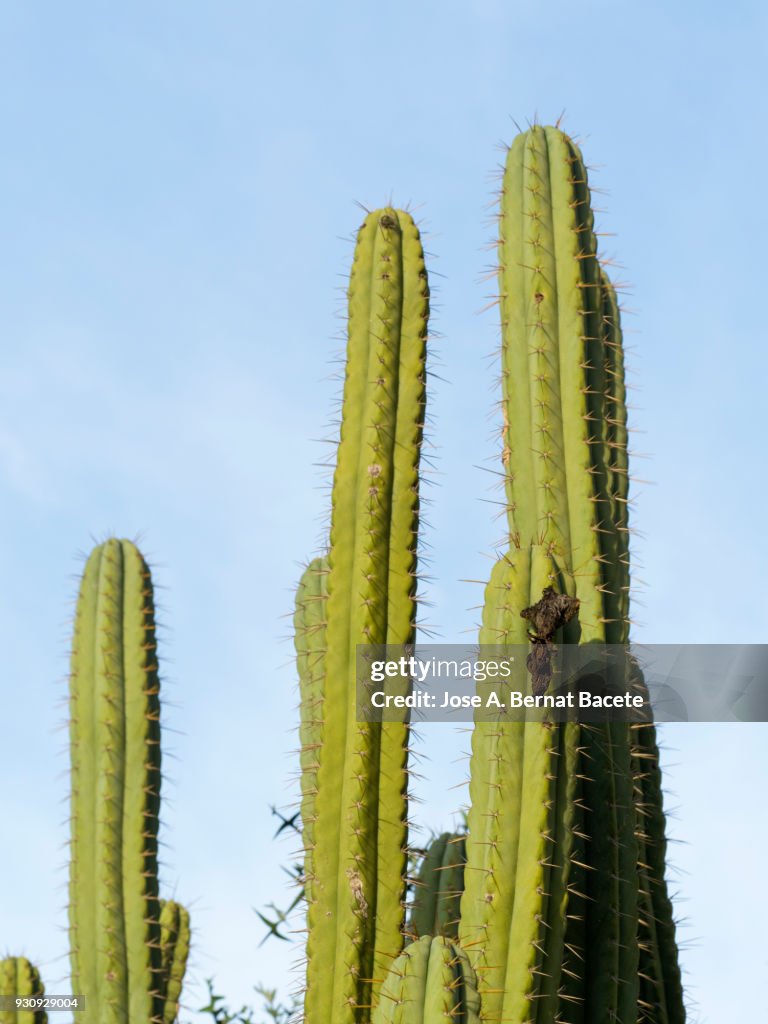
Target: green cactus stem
[[661, 990], [438, 887], [18, 977], [570, 851], [174, 951], [356, 910], [431, 982], [523, 823], [310, 642], [359, 857], [553, 371], [114, 913]]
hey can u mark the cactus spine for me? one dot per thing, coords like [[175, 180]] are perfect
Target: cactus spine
[[114, 911], [438, 887], [359, 812], [18, 977]]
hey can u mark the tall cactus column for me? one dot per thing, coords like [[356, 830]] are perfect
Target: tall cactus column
[[551, 901], [524, 820], [115, 756], [553, 371], [357, 888]]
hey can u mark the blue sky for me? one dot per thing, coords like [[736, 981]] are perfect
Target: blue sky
[[179, 184]]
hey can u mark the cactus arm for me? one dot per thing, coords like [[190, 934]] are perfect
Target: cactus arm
[[495, 789], [430, 982], [310, 641], [521, 824], [548, 280], [174, 951], [18, 977], [427, 886], [114, 739], [439, 885], [358, 891], [451, 883]]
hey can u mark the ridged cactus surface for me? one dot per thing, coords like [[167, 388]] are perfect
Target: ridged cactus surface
[[116, 936], [359, 812], [438, 887], [174, 950], [550, 913], [18, 977], [309, 623], [431, 982], [523, 823]]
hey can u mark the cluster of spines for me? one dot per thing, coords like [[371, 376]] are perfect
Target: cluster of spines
[[357, 786], [116, 932], [19, 977]]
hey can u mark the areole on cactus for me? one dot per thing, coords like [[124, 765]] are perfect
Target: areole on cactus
[[564, 916]]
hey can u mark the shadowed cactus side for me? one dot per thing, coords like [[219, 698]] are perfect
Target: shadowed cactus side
[[309, 623], [18, 977], [438, 886]]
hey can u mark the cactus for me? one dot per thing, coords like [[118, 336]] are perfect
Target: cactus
[[114, 910], [523, 824], [429, 983], [438, 887], [18, 977], [565, 915], [174, 950], [358, 814], [561, 881]]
